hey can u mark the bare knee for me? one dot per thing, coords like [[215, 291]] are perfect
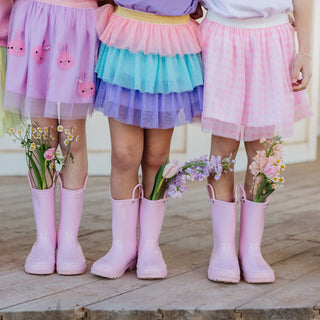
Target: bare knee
[[125, 158], [224, 146], [252, 147], [154, 158]]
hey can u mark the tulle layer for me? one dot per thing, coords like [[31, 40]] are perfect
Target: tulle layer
[[149, 73], [149, 38], [157, 111], [7, 119], [248, 91], [51, 57]]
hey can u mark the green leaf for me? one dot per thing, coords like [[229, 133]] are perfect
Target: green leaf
[[260, 189], [266, 195], [36, 172]]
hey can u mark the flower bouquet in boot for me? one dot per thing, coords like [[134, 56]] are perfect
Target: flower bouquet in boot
[[266, 169], [43, 161], [170, 182]]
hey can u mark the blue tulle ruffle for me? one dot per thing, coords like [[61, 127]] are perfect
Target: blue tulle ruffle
[[149, 73]]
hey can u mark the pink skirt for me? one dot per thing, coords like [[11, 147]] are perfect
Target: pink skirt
[[248, 93], [52, 50]]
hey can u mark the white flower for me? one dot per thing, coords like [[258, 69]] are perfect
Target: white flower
[[70, 137], [60, 128], [66, 142]]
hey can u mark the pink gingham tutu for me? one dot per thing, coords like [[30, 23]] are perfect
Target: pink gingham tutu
[[52, 47], [248, 92]]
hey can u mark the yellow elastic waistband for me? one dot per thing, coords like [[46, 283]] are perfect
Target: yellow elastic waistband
[[150, 17]]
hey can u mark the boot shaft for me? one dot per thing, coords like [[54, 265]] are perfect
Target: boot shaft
[[252, 223], [44, 210], [125, 219], [71, 206], [151, 219], [224, 219]]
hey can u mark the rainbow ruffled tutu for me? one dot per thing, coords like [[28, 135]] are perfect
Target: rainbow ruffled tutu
[[7, 119], [149, 68]]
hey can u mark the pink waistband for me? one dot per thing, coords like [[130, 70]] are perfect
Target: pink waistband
[[79, 4]]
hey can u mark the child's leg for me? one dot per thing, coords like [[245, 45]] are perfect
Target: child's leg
[[254, 268], [70, 258], [225, 185], [41, 259], [224, 266], [150, 260], [156, 150], [127, 149], [73, 175]]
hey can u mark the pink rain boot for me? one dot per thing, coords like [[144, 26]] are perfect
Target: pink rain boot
[[254, 268], [70, 258], [123, 253], [224, 265], [41, 259], [150, 260]]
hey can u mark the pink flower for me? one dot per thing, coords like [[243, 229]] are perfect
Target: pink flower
[[171, 169], [271, 171], [49, 154]]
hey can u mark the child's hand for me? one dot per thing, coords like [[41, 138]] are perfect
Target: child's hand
[[303, 66], [198, 14]]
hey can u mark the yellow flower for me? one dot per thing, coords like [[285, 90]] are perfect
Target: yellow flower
[[45, 136], [70, 137], [19, 131], [33, 144], [278, 161], [275, 179], [11, 130], [281, 180], [51, 165], [39, 130], [38, 136], [33, 130], [66, 142], [67, 131], [60, 128], [32, 148], [283, 166]]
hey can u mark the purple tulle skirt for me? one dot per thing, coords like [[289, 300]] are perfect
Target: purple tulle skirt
[[138, 108], [52, 50]]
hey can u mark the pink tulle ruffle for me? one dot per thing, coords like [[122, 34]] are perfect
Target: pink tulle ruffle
[[165, 40]]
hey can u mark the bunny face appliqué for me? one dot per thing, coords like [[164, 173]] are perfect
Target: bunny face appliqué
[[65, 61], [39, 53], [86, 89], [16, 46]]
